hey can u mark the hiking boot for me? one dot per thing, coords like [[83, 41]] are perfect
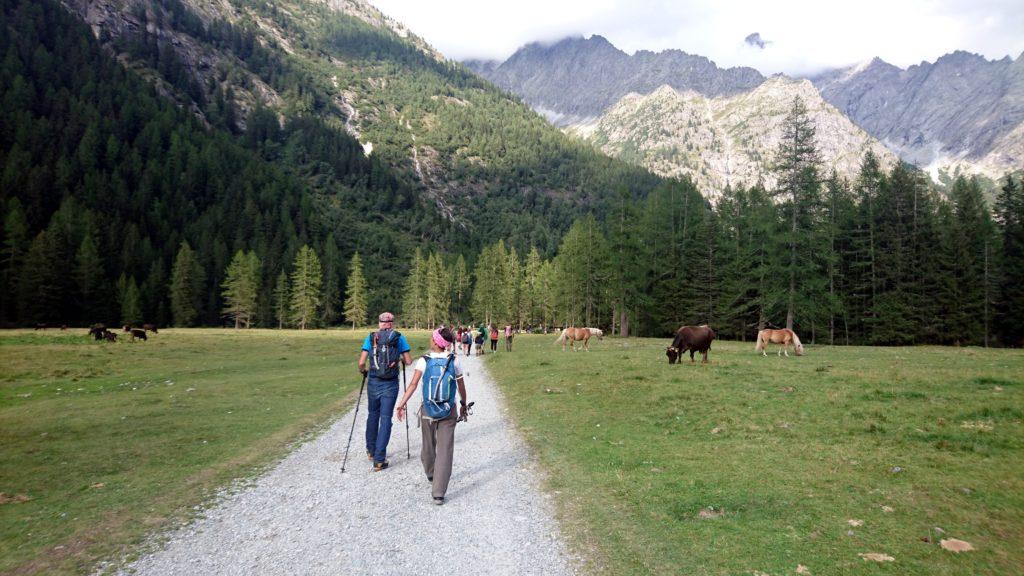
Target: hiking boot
[[430, 478], [439, 500], [369, 456], [378, 466]]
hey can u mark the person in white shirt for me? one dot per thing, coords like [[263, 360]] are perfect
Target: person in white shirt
[[437, 421]]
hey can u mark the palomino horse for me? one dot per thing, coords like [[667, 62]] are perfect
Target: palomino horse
[[785, 336], [574, 335]]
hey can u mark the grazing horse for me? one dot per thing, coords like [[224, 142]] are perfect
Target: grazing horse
[[692, 338], [785, 336], [574, 335]]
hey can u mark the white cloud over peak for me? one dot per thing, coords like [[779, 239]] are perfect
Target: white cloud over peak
[[806, 36]]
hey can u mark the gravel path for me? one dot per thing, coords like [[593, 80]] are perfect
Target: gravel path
[[305, 517]]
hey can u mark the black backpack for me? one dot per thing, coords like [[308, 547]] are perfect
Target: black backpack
[[384, 355]]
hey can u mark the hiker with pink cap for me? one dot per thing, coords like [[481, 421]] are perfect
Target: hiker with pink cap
[[441, 373], [384, 350]]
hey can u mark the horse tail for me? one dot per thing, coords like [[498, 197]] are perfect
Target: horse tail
[[759, 347], [561, 337]]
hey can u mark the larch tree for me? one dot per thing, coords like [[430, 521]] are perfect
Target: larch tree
[[307, 280], [1010, 217], [282, 299], [187, 281], [241, 288], [356, 294]]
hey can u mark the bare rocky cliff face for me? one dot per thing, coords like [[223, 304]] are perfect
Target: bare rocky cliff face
[[577, 79], [962, 111], [725, 140]]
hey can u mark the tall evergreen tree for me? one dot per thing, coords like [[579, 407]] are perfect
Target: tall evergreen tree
[[1010, 216], [91, 281], [356, 297], [796, 165], [282, 299], [414, 300], [973, 235], [16, 243], [332, 263], [438, 291], [306, 282], [241, 288], [187, 281], [131, 304]]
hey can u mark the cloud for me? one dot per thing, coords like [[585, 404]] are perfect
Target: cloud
[[807, 35], [756, 40]]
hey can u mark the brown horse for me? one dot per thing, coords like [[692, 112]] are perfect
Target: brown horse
[[785, 336], [574, 335], [692, 338]]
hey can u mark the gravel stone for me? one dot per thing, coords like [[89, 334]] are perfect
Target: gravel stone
[[306, 517]]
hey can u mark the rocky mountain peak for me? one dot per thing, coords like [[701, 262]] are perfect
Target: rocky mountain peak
[[575, 79]]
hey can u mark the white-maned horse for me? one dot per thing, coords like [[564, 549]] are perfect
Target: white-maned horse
[[574, 335]]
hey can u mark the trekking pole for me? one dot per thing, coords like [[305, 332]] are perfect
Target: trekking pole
[[407, 451], [350, 432]]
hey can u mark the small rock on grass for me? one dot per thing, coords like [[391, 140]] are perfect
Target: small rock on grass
[[710, 513], [887, 509], [855, 523], [876, 557], [801, 569], [954, 545]]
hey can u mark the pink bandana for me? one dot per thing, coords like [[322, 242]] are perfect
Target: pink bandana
[[439, 341]]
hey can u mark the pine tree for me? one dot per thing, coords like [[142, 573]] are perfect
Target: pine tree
[[131, 304], [796, 165], [306, 281], [460, 289], [332, 263], [356, 297], [90, 281], [531, 295], [414, 299], [282, 299], [973, 236], [438, 292], [1010, 216], [39, 285], [187, 281], [16, 234], [241, 288]]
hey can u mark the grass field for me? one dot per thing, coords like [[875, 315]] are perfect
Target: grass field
[[106, 443], [794, 462]]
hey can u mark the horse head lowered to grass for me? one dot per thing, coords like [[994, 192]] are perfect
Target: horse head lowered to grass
[[785, 336], [692, 338], [574, 335]]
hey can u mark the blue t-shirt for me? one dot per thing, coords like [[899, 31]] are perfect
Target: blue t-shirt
[[403, 344]]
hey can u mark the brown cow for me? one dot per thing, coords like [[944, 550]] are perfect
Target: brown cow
[[150, 327], [692, 338], [137, 333]]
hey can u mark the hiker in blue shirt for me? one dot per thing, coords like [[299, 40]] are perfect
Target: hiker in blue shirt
[[383, 350]]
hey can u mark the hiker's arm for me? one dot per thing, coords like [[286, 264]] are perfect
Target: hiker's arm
[[400, 408], [362, 362], [407, 358], [462, 394]]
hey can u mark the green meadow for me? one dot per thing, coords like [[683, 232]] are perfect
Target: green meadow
[[105, 443], [752, 465]]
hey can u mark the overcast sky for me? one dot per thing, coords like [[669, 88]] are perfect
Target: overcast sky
[[796, 36]]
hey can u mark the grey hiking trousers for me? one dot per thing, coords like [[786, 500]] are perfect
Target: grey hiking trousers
[[438, 450]]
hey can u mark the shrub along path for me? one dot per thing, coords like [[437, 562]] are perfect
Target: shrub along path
[[305, 517]]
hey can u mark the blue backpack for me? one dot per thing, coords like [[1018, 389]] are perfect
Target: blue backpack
[[438, 387], [384, 354]]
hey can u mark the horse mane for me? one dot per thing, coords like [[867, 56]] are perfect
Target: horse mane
[[796, 340]]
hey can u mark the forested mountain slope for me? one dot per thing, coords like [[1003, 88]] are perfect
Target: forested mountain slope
[[478, 157], [247, 126]]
